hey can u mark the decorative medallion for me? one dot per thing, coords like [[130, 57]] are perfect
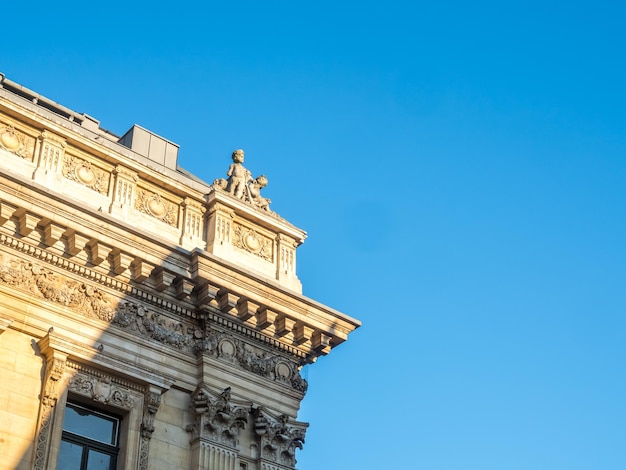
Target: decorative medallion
[[252, 242], [9, 140], [156, 206], [227, 349], [283, 371], [83, 172], [103, 390], [16, 142]]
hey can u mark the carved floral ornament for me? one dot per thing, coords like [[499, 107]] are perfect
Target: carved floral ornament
[[83, 172], [156, 206], [280, 437], [249, 240], [230, 349], [216, 418], [16, 142], [102, 390], [43, 282]]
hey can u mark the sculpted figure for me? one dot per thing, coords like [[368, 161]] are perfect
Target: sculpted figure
[[242, 185], [238, 176], [255, 193]]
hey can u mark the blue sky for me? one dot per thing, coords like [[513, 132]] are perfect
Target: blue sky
[[459, 167]]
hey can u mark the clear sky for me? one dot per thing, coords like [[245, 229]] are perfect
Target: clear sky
[[459, 168]]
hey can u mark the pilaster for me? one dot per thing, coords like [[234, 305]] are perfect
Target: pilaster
[[50, 154], [124, 190], [218, 420], [56, 365]]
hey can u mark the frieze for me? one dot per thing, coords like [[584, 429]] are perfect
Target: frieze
[[16, 142], [279, 438], [155, 206], [230, 349], [43, 282], [216, 418], [83, 172], [93, 303], [249, 240], [102, 390], [137, 318]]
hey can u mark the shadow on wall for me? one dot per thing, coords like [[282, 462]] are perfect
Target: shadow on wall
[[84, 390]]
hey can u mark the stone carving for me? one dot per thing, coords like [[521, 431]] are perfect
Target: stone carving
[[93, 303], [85, 173], [102, 390], [216, 419], [39, 281], [279, 438], [156, 206], [137, 318], [152, 401], [255, 193], [238, 175], [249, 240], [125, 187], [56, 364], [257, 361], [241, 184], [52, 150], [16, 142]]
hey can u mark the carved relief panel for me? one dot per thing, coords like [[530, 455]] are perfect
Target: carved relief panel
[[152, 203], [272, 366], [16, 141], [253, 241], [82, 170], [103, 389]]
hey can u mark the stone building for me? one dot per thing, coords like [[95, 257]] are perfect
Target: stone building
[[148, 320]]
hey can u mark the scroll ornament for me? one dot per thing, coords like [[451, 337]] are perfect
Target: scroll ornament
[[216, 419], [279, 437]]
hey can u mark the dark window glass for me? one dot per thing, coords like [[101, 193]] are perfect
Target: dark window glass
[[70, 456], [98, 460], [90, 424], [89, 440]]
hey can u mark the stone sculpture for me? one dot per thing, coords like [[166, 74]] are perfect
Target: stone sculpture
[[241, 184]]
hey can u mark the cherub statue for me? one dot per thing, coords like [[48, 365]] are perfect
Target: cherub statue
[[255, 193], [241, 184], [238, 176]]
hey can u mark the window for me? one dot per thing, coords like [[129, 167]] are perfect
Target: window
[[90, 439]]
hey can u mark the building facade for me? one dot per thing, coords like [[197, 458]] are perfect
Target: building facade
[[148, 320]]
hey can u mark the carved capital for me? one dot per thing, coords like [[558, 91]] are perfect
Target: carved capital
[[216, 417], [279, 437]]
